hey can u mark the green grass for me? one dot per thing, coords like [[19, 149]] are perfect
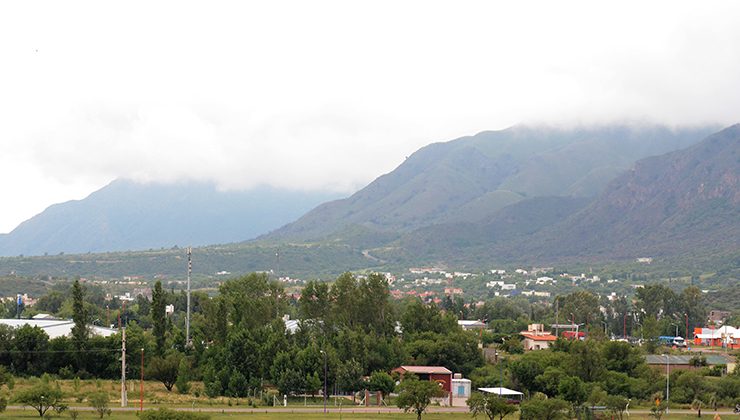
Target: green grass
[[30, 414]]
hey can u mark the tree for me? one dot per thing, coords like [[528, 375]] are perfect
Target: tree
[[491, 405], [544, 409], [349, 376], [159, 318], [42, 396], [99, 401], [164, 369], [697, 405], [381, 382], [415, 395], [29, 345], [617, 405], [183, 377], [573, 390], [312, 385], [79, 316]]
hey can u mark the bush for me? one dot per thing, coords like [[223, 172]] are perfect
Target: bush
[[167, 414]]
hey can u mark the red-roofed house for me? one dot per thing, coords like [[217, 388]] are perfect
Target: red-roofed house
[[439, 374], [535, 338]]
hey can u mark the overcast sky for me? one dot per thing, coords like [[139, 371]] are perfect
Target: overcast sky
[[329, 95]]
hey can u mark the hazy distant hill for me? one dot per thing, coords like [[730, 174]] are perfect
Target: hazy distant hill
[[129, 216], [681, 203], [470, 179]]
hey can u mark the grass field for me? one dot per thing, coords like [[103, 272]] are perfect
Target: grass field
[[30, 414]]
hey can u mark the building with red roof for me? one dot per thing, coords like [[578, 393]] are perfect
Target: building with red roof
[[535, 338]]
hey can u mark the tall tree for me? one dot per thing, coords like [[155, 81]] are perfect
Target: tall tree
[[159, 320], [79, 316]]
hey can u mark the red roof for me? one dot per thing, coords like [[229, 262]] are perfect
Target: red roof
[[539, 337], [438, 370]]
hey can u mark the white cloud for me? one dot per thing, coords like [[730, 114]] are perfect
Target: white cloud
[[329, 94]]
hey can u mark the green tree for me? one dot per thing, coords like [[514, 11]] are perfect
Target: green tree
[[159, 317], [695, 309], [381, 382], [616, 405], [252, 301], [544, 409], [349, 376], [164, 369], [584, 307], [573, 390], [314, 303], [312, 384], [490, 405], [42, 396], [79, 316], [99, 401], [29, 346], [415, 395], [183, 377]]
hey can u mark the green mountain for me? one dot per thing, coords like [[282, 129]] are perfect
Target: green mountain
[[125, 215], [681, 203], [469, 179]]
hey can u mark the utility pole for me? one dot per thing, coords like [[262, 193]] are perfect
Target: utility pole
[[124, 399], [141, 383], [187, 319]]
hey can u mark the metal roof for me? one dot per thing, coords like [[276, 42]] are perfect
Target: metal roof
[[659, 359], [500, 391], [440, 370], [56, 327]]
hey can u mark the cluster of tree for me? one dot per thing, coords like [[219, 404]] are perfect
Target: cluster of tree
[[350, 335], [605, 373]]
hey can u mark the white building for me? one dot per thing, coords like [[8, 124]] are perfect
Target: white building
[[57, 327]]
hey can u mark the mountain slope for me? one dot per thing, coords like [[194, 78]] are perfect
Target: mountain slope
[[469, 179], [680, 203], [128, 216]]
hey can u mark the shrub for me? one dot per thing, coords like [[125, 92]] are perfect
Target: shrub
[[167, 414]]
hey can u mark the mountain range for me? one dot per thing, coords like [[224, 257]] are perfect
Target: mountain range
[[125, 215], [525, 194], [468, 180]]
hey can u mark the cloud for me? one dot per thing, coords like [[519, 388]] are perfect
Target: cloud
[[331, 94]]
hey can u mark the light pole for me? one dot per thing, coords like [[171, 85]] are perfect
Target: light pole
[[624, 326], [667, 383], [324, 353]]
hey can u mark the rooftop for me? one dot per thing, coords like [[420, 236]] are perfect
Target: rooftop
[[441, 370]]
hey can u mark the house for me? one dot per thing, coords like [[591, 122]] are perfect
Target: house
[[439, 374], [461, 387], [725, 336], [535, 338], [57, 327]]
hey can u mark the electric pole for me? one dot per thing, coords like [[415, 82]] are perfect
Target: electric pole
[[187, 319], [123, 367]]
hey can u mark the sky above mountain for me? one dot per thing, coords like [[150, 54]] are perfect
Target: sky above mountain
[[327, 95]]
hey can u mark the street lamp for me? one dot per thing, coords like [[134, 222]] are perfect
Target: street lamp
[[324, 353]]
